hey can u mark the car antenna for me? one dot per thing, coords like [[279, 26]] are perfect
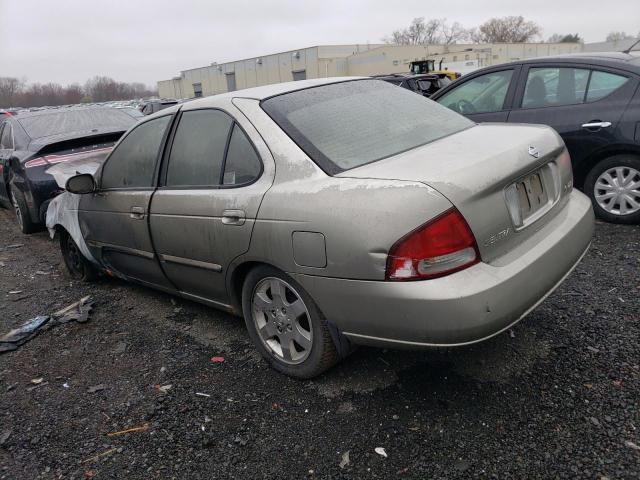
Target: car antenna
[[628, 50]]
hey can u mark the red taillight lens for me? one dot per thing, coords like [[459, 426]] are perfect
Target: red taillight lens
[[440, 247]]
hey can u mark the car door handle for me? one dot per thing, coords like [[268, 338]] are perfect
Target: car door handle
[[233, 217], [137, 213], [596, 125]]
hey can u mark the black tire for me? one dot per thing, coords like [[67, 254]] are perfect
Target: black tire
[[322, 353], [21, 212], [78, 267], [624, 161]]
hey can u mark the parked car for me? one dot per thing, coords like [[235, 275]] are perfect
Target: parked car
[[593, 102], [423, 84], [30, 142], [131, 111], [333, 212], [152, 106]]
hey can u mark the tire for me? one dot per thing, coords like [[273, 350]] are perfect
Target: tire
[[602, 185], [274, 319], [22, 213], [78, 267]]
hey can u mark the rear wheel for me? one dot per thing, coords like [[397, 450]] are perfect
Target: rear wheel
[[78, 267], [614, 187], [285, 324], [22, 214]]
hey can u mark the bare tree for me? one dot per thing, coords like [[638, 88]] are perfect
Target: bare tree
[[418, 32], [452, 33], [10, 87], [618, 36], [513, 29]]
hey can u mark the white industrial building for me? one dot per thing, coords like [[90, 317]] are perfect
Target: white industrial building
[[341, 60]]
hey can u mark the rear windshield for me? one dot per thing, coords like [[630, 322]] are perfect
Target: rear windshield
[[71, 121], [345, 125]]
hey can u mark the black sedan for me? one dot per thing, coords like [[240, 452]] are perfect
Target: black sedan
[[593, 102], [31, 142]]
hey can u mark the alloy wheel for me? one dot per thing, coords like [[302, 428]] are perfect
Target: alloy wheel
[[617, 190], [282, 320]]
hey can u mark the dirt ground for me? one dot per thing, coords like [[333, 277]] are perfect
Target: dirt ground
[[558, 397]]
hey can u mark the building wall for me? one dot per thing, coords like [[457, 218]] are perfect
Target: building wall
[[359, 60]]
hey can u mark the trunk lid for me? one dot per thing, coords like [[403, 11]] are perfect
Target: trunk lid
[[506, 180]]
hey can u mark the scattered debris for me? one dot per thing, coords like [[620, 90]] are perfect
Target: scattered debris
[[345, 459], [15, 245], [163, 388], [4, 437], [42, 272], [36, 381], [96, 388], [38, 385], [217, 359], [617, 383], [90, 474], [200, 394], [78, 311], [512, 333], [632, 445], [100, 455], [381, 451], [593, 349], [14, 292], [142, 428]]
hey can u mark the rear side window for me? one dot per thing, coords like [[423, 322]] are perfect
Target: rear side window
[[602, 84], [555, 86], [132, 163], [348, 124], [6, 141], [198, 148], [242, 165], [483, 94]]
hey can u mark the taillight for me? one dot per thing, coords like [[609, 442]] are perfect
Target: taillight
[[440, 247]]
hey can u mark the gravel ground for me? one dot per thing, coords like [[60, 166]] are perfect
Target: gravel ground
[[556, 398]]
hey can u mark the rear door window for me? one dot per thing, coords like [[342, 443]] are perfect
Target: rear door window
[[132, 163], [198, 149], [483, 94], [555, 86]]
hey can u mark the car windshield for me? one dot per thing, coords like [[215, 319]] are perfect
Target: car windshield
[[349, 124], [79, 120]]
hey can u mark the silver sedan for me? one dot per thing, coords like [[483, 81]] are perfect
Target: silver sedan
[[331, 213]]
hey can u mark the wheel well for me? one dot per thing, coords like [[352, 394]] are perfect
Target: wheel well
[[237, 281], [583, 169]]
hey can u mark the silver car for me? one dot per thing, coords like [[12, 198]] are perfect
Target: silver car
[[331, 213]]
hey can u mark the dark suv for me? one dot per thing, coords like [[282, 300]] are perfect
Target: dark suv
[[593, 102]]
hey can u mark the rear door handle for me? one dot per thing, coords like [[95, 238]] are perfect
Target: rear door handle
[[137, 213], [596, 124], [233, 217]]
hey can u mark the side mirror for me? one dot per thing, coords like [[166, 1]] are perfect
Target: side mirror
[[82, 183]]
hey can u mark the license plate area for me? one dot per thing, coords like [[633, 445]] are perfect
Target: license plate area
[[531, 196]]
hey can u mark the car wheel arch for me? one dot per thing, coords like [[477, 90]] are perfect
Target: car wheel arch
[[581, 171]]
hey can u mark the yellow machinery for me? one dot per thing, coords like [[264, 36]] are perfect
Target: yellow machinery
[[428, 66]]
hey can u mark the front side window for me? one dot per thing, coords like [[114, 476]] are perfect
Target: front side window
[[602, 84], [555, 86], [483, 94], [132, 163], [348, 124], [198, 149]]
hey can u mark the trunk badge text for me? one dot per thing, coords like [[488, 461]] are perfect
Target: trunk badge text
[[497, 237], [533, 151]]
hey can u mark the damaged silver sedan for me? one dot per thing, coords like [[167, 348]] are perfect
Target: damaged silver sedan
[[331, 213]]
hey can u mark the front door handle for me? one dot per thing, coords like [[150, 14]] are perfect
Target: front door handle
[[137, 213], [233, 217], [596, 124]]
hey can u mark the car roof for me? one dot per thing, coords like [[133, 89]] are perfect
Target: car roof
[[613, 59]]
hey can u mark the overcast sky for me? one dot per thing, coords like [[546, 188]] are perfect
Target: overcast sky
[[69, 41]]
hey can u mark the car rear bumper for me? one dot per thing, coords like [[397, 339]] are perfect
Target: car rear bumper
[[466, 307]]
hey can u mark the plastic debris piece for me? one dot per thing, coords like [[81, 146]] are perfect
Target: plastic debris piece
[[381, 451], [65, 385], [163, 388], [200, 394], [96, 388], [78, 311], [217, 359], [345, 459], [142, 428], [15, 292], [36, 381]]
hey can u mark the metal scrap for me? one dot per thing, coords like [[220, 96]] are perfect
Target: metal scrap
[[78, 312]]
